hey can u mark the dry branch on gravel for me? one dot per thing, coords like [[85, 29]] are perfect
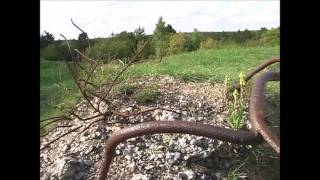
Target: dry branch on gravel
[[82, 83]]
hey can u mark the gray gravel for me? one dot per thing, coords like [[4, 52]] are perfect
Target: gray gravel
[[161, 156]]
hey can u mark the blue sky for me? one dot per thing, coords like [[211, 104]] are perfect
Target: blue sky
[[101, 18]]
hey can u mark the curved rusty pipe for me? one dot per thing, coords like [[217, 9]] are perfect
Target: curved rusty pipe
[[184, 127], [255, 109], [254, 71]]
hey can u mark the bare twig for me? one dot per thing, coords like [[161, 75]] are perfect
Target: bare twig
[[63, 126], [76, 82], [55, 117], [86, 128], [82, 80], [72, 130], [131, 61], [94, 62], [85, 119], [86, 57], [88, 39], [55, 120]]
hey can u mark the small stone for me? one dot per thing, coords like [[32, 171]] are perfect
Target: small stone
[[122, 146], [206, 154], [97, 135], [176, 156], [152, 157], [98, 156], [131, 165], [128, 157], [83, 138], [186, 157], [188, 175], [149, 167], [139, 177], [182, 142], [86, 133], [118, 152], [66, 148], [193, 141]]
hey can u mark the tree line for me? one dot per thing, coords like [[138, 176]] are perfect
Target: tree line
[[165, 41]]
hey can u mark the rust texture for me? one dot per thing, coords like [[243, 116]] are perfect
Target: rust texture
[[255, 109]]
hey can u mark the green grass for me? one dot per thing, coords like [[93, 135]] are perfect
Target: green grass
[[147, 95], [211, 64], [261, 162], [58, 92]]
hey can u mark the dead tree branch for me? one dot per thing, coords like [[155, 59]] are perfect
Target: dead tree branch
[[76, 82], [88, 39], [72, 130]]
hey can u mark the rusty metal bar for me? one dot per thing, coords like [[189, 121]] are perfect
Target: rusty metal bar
[[255, 109], [184, 127]]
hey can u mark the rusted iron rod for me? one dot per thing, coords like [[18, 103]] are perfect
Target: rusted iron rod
[[184, 127], [255, 109], [255, 70]]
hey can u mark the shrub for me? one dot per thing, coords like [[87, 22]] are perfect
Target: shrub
[[50, 53], [106, 49], [178, 43], [270, 37], [209, 43]]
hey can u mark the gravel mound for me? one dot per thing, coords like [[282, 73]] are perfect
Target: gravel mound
[[161, 156]]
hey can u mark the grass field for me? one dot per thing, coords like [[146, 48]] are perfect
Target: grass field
[[58, 92], [207, 64]]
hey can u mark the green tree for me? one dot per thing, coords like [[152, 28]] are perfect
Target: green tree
[[195, 39], [46, 39], [161, 36], [169, 29], [82, 42], [139, 33]]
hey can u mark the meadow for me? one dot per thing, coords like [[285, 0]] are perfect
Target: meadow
[[58, 92]]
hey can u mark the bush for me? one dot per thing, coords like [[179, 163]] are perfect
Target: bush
[[270, 37], [148, 51], [116, 47], [209, 43], [50, 53], [106, 49], [178, 43]]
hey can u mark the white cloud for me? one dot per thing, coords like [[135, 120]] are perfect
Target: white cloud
[[100, 18]]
